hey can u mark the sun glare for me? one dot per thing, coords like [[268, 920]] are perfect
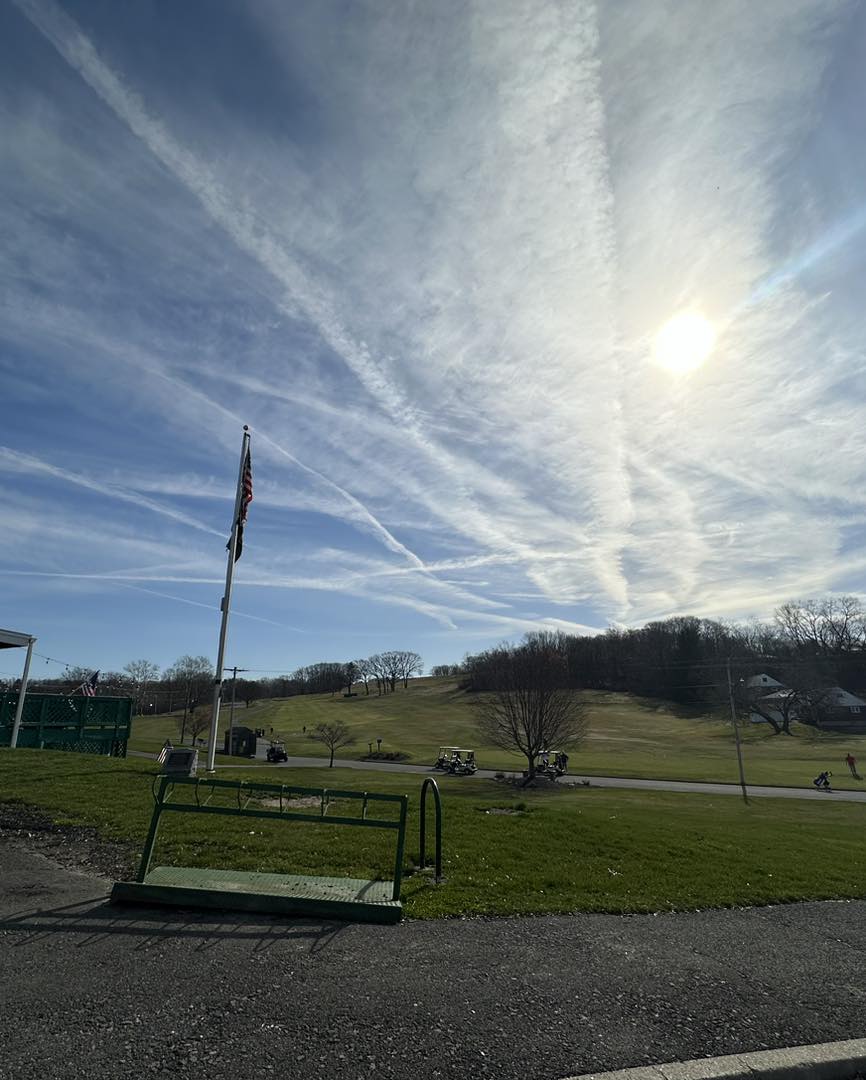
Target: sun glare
[[684, 342]]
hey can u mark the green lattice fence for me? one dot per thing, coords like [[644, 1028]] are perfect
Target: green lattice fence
[[86, 725]]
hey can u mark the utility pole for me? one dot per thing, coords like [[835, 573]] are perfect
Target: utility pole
[[736, 733], [234, 670]]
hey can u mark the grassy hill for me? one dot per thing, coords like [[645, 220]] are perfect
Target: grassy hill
[[628, 736]]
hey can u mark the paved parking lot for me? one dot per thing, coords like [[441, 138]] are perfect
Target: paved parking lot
[[94, 991]]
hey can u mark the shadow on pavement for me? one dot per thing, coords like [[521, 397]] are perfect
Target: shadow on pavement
[[97, 921]]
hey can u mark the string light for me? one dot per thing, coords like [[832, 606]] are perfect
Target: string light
[[62, 663]]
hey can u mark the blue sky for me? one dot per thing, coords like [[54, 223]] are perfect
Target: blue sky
[[425, 252]]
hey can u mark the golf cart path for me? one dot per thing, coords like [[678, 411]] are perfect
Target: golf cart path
[[93, 991], [696, 787]]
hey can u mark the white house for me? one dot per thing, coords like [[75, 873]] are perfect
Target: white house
[[836, 709], [773, 705], [757, 682], [845, 705]]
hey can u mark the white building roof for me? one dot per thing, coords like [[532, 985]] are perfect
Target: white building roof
[[842, 699], [9, 639], [833, 696], [763, 680]]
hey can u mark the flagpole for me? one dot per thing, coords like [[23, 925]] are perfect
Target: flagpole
[[225, 607]]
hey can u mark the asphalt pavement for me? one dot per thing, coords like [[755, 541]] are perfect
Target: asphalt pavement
[[695, 787], [95, 991]]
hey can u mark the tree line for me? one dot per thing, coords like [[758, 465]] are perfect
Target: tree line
[[187, 684], [530, 705], [809, 644]]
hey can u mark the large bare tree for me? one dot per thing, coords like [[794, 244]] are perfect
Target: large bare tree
[[364, 670], [379, 670], [530, 707], [391, 668], [833, 624], [804, 696], [408, 664]]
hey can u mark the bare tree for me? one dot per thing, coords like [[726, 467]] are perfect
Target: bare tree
[[335, 735], [350, 674], [141, 672], [834, 624], [409, 664], [379, 672], [248, 690], [362, 667], [196, 722], [530, 707], [391, 668], [194, 677], [804, 696]]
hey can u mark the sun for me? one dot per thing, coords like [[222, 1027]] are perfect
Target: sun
[[684, 342]]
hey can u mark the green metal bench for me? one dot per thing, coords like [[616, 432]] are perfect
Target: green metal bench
[[286, 894]]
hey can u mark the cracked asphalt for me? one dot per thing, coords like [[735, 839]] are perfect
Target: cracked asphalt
[[95, 991]]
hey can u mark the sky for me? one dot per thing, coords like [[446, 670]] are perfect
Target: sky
[[425, 252]]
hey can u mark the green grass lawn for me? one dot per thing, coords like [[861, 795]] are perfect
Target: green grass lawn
[[628, 736], [563, 850]]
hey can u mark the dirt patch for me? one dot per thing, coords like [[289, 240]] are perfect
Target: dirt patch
[[293, 804], [76, 847]]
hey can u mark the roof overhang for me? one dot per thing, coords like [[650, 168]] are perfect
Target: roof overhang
[[9, 639]]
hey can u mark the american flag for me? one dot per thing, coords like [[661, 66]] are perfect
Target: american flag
[[246, 499], [89, 687]]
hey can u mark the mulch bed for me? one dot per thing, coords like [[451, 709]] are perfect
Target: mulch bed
[[76, 847]]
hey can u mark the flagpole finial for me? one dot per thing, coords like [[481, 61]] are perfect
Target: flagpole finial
[[246, 427]]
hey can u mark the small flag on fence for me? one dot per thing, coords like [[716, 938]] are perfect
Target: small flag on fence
[[89, 687], [246, 498]]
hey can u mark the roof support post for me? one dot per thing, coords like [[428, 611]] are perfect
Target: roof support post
[[20, 707]]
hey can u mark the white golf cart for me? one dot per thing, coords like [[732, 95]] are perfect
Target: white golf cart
[[444, 759], [552, 763], [462, 762]]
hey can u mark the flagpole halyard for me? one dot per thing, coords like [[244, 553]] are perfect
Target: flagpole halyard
[[240, 510]]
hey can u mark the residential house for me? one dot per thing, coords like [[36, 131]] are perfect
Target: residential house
[[834, 709], [758, 682]]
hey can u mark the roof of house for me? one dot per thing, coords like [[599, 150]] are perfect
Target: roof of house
[[843, 698], [762, 680], [834, 696]]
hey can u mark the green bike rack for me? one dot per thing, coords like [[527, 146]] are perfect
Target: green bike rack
[[428, 784], [286, 894]]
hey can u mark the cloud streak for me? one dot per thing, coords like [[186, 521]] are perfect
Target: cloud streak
[[17, 462], [453, 235]]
